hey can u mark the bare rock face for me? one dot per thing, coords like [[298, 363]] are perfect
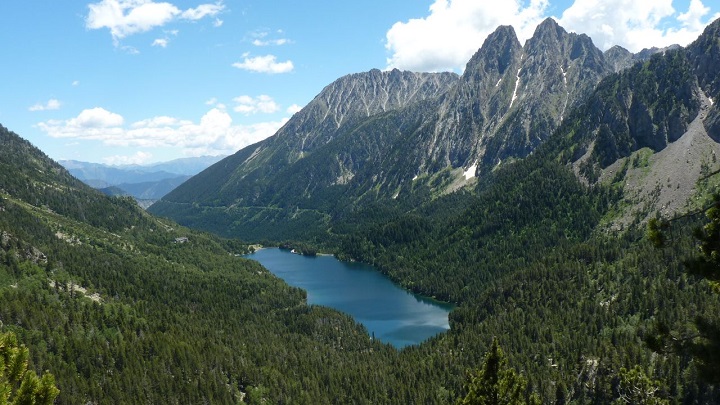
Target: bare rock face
[[356, 97], [21, 250], [512, 97], [385, 135], [704, 54], [381, 131], [619, 58]]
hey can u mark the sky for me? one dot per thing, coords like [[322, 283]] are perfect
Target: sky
[[146, 81]]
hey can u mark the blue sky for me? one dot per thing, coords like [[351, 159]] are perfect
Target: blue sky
[[142, 81]]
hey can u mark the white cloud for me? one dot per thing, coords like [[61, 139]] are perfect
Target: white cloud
[[262, 38], [161, 42], [268, 42], [138, 158], [130, 50], [454, 30], [261, 104], [638, 24], [293, 109], [264, 64], [96, 118], [127, 17], [214, 134], [52, 104], [202, 11], [76, 83], [217, 23]]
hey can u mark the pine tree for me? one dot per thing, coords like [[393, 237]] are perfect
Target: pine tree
[[18, 385], [636, 388], [705, 346], [496, 383]]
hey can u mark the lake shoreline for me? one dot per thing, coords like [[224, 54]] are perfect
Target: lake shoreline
[[392, 313]]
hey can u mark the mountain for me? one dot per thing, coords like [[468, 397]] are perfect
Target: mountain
[[516, 197], [143, 182], [348, 146], [620, 58]]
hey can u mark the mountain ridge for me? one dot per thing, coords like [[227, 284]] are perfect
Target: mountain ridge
[[507, 102], [533, 251]]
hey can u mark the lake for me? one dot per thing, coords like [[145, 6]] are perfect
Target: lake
[[391, 313]]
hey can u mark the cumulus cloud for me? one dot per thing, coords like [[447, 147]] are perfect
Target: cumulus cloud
[[264, 64], [638, 24], [127, 17], [214, 134], [96, 118], [454, 30], [52, 104], [252, 105]]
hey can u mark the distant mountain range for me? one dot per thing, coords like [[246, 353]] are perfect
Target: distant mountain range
[[146, 183]]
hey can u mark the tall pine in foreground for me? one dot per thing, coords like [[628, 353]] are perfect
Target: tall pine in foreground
[[704, 344], [496, 383], [706, 264], [18, 385]]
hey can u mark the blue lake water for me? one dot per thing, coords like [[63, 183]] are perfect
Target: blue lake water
[[391, 313]]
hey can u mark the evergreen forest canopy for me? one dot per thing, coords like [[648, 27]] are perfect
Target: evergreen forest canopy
[[561, 296]]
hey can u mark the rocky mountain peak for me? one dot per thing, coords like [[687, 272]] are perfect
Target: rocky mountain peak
[[496, 54], [618, 58], [548, 31], [379, 134]]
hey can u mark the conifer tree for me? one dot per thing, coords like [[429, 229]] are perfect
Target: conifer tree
[[706, 264], [638, 389], [496, 383], [18, 385], [705, 346]]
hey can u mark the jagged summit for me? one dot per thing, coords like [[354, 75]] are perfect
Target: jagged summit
[[382, 135], [496, 53], [509, 99], [549, 28]]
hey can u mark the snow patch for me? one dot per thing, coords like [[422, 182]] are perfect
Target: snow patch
[[567, 93], [415, 178], [470, 172], [711, 101], [498, 83], [517, 84]]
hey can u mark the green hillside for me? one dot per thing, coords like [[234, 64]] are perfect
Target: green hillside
[[546, 255]]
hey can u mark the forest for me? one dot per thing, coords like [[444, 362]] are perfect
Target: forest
[[556, 303]]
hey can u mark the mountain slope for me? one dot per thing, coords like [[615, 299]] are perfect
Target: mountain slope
[[120, 312], [524, 252], [351, 144]]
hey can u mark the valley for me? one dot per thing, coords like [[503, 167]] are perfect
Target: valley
[[560, 197]]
